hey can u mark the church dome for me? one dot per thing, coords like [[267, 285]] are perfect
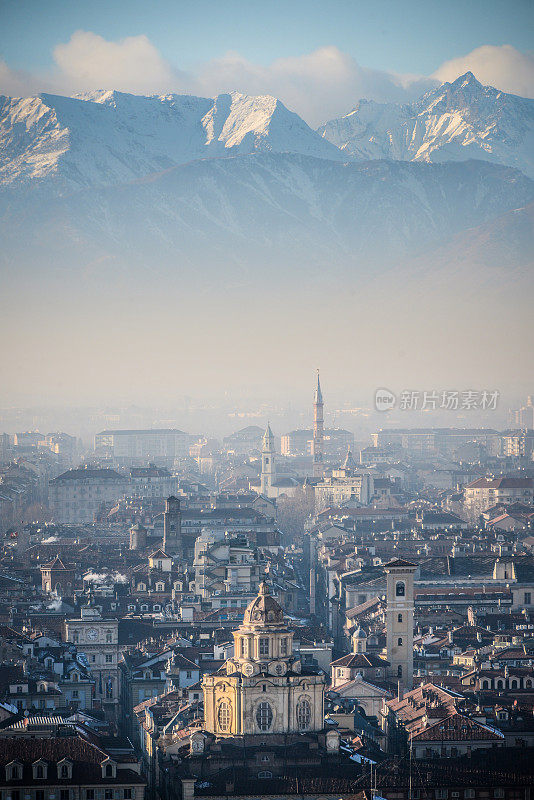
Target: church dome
[[359, 633], [264, 609]]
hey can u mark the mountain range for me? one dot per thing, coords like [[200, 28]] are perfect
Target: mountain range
[[193, 182]]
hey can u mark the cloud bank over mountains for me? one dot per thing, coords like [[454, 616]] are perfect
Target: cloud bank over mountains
[[318, 85]]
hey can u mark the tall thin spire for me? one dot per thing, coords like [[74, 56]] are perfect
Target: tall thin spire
[[318, 392], [318, 429], [268, 466]]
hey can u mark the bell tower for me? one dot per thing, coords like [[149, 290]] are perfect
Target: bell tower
[[172, 528], [318, 430], [268, 467], [399, 620]]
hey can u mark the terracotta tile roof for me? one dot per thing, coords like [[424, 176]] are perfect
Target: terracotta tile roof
[[458, 728]]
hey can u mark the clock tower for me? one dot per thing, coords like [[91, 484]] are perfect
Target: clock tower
[[264, 688], [98, 638]]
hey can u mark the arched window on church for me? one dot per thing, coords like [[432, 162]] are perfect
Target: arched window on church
[[264, 716], [400, 589], [399, 671], [399, 641], [303, 714], [223, 716], [399, 617]]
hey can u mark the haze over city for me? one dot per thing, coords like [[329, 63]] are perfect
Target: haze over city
[[116, 293]]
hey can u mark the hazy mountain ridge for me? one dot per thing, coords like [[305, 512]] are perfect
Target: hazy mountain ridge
[[293, 209], [455, 122]]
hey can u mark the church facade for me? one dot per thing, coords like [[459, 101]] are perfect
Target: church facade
[[263, 689]]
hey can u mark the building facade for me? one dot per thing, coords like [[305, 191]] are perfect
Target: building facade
[[78, 494], [98, 638], [264, 689]]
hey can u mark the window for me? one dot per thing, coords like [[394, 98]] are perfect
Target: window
[[243, 650], [188, 673], [264, 716], [468, 793], [75, 694], [399, 671], [108, 637], [399, 641], [108, 794], [399, 617], [303, 714], [498, 792], [283, 646], [127, 794], [39, 794], [14, 772], [400, 589], [265, 774], [109, 771], [109, 658], [223, 716], [90, 794], [528, 601], [64, 794], [263, 647], [39, 771], [442, 794]]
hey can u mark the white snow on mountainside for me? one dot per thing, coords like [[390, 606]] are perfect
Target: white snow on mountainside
[[178, 180], [455, 122], [107, 137]]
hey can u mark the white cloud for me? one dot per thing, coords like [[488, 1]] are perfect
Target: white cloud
[[88, 61], [501, 66], [14, 83], [319, 85]]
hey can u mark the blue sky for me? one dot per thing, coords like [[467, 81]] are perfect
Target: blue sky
[[411, 36]]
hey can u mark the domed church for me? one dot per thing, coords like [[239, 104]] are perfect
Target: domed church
[[264, 689]]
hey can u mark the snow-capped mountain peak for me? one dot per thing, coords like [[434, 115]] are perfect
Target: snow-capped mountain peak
[[454, 122], [107, 137]]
